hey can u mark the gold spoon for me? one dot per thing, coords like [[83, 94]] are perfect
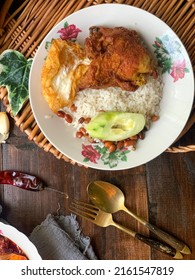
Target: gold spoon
[[111, 199]]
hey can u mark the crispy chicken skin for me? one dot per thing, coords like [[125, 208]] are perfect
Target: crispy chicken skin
[[118, 58]]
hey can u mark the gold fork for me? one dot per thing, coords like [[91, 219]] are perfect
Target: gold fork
[[103, 219]]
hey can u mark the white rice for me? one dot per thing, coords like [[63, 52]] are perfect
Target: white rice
[[145, 100]]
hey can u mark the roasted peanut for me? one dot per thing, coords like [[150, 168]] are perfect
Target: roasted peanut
[[87, 120], [61, 114], [134, 137], [79, 134], [120, 144], [107, 144], [112, 148], [154, 118], [68, 118], [141, 135], [73, 108], [81, 120], [83, 130], [128, 143], [89, 138]]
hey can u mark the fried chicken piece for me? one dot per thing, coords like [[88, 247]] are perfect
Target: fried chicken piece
[[118, 58]]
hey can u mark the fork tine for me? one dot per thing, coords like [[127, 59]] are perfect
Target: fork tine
[[84, 210], [81, 214], [87, 206]]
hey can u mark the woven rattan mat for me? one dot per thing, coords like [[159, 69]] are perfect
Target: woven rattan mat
[[23, 26]]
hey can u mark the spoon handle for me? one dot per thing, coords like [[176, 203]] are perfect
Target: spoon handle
[[156, 244], [165, 236]]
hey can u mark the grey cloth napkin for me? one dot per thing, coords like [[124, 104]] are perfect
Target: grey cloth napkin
[[60, 238]]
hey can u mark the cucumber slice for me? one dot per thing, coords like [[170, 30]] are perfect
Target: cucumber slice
[[115, 126]]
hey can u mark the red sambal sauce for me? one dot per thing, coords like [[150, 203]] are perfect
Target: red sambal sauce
[[10, 250]]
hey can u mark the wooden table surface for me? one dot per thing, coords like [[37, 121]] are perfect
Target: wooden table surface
[[162, 191]]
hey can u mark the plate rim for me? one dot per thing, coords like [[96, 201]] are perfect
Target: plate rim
[[33, 254]]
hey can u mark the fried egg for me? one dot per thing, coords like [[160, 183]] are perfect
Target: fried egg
[[66, 62]]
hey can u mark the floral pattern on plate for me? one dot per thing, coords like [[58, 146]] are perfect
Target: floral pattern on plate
[[94, 153], [170, 57], [67, 32]]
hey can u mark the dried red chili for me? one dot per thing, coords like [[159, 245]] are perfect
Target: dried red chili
[[21, 180]]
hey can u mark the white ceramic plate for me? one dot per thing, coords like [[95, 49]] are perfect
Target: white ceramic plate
[[21, 240], [177, 98]]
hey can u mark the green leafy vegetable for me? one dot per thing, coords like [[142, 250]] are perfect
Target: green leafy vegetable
[[14, 75]]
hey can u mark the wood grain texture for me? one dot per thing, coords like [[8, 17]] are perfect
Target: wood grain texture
[[171, 193], [162, 191]]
